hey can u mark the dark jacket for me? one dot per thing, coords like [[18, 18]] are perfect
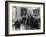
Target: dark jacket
[[17, 24]]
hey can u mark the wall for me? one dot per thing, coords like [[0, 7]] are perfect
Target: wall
[[16, 12], [2, 19]]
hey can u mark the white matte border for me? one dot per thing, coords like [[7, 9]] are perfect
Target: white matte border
[[11, 31]]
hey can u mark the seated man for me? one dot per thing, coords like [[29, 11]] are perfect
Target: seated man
[[17, 25], [36, 24]]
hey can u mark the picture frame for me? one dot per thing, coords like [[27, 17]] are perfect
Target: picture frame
[[12, 7]]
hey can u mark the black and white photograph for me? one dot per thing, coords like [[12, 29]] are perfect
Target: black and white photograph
[[24, 18]]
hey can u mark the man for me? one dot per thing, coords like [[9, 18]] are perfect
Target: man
[[36, 22], [17, 24]]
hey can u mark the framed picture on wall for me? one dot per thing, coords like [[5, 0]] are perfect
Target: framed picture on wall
[[24, 18]]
